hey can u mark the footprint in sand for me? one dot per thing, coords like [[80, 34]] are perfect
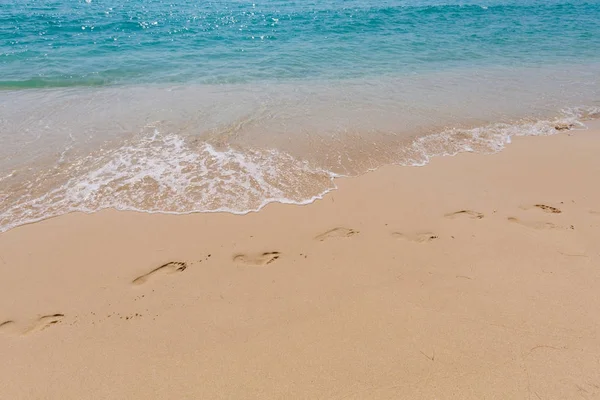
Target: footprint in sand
[[336, 233], [257, 260], [421, 237], [44, 322], [465, 213], [168, 268], [545, 208], [537, 224]]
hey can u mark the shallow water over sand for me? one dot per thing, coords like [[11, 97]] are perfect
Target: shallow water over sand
[[230, 106]]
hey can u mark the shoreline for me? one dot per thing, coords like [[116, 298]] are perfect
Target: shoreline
[[257, 177], [473, 277]]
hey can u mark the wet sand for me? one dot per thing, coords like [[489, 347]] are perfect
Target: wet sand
[[473, 277]]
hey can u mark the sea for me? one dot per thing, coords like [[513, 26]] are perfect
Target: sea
[[186, 106]]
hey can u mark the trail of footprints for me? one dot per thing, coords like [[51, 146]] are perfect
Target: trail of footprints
[[533, 224], [265, 259], [425, 237]]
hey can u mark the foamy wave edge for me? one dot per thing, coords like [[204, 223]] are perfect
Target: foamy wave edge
[[488, 139], [492, 138]]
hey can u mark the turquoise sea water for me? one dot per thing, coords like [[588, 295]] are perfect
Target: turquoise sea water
[[188, 106], [100, 42]]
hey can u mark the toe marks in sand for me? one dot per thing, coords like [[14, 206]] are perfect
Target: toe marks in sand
[[465, 213], [168, 268], [544, 207], [548, 209], [340, 232], [257, 260], [420, 237]]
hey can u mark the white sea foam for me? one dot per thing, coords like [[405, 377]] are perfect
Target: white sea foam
[[163, 173], [490, 138], [167, 173]]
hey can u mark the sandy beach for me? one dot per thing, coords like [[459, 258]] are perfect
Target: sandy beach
[[474, 277]]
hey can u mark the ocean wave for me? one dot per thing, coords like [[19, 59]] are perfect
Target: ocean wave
[[491, 138], [165, 173]]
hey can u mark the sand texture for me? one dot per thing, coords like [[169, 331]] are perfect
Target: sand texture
[[475, 277]]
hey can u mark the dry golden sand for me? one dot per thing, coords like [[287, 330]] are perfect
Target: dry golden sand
[[476, 277]]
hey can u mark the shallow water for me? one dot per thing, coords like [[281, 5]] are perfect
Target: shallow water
[[230, 105]]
